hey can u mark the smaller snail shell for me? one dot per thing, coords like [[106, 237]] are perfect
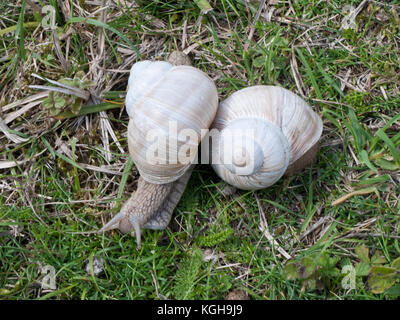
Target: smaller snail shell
[[263, 131]]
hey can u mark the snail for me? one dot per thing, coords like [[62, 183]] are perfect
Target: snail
[[264, 132], [168, 102]]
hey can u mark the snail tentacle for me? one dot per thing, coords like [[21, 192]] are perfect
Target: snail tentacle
[[113, 223], [137, 232]]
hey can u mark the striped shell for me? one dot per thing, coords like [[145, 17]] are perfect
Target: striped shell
[[163, 101], [263, 131]]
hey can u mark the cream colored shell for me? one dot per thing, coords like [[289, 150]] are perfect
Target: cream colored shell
[[144, 75], [284, 129], [162, 101]]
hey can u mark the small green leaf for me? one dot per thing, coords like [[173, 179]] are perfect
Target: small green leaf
[[393, 291], [308, 267], [396, 264], [290, 271], [259, 61], [54, 111], [379, 179], [365, 159], [362, 253], [173, 18], [327, 262], [378, 258], [4, 292], [59, 102], [47, 103], [334, 272], [386, 164], [395, 153], [383, 271], [204, 5], [362, 269], [323, 260], [381, 278], [380, 284]]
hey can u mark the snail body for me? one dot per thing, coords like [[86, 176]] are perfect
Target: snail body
[[172, 105], [264, 132]]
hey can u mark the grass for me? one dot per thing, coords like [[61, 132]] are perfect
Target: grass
[[61, 179]]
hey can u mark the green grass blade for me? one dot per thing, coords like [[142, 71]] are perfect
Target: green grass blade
[[125, 175], [393, 150], [310, 74], [100, 24]]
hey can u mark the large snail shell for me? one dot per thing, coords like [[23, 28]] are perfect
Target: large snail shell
[[162, 101], [143, 76], [263, 131]]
